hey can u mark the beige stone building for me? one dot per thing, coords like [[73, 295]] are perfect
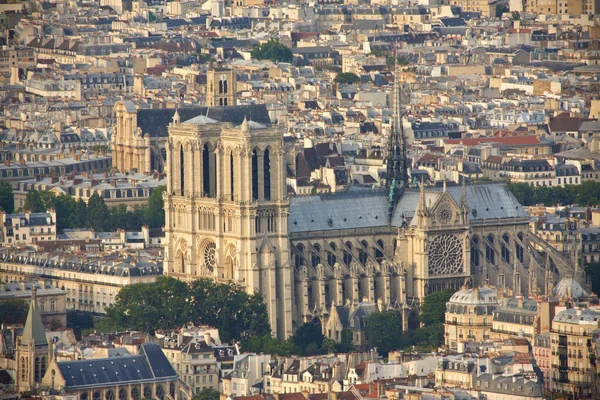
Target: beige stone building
[[469, 314], [228, 217], [572, 370], [194, 361], [221, 87], [51, 301], [88, 287], [139, 141]]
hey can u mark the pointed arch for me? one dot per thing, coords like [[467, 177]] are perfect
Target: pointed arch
[[254, 176], [267, 174], [232, 176], [181, 170]]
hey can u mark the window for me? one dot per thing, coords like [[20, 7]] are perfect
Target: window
[[52, 305]]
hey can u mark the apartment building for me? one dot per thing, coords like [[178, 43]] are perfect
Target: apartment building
[[572, 370]]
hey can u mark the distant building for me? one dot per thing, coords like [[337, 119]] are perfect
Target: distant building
[[27, 228], [52, 302], [147, 374], [573, 372], [503, 387], [469, 314]]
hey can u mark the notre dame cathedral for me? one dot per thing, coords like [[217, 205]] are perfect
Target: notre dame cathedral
[[229, 217]]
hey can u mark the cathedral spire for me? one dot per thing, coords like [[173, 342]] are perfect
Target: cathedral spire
[[396, 160]]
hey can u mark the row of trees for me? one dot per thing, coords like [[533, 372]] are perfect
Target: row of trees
[[586, 194], [169, 303], [95, 214]]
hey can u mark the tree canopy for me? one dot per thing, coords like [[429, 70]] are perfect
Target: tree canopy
[[586, 194], [383, 330], [346, 77], [207, 394], [13, 311], [96, 214], [272, 50], [7, 199], [34, 202], [169, 303], [592, 271], [434, 307]]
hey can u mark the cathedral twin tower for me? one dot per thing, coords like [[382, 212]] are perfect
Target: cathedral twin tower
[[227, 209]]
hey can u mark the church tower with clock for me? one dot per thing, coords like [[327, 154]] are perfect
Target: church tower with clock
[[437, 244]]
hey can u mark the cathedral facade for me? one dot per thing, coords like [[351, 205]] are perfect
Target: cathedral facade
[[228, 217]]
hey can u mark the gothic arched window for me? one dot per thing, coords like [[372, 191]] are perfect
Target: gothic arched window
[[206, 175], [379, 251], [232, 176], [298, 258], [315, 257], [267, 175], [475, 251], [505, 252], [489, 250], [254, 175], [181, 170]]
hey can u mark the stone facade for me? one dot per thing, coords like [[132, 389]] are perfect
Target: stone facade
[[228, 217]]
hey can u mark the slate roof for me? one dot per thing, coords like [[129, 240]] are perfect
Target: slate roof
[[369, 208], [155, 121], [150, 365], [33, 332]]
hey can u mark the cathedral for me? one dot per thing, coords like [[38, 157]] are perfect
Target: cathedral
[[229, 218]]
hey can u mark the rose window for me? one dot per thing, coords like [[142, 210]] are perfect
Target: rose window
[[445, 255], [210, 256]]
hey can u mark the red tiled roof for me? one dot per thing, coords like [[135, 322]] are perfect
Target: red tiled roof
[[509, 140]]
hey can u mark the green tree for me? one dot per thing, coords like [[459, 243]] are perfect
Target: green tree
[[13, 311], [65, 207], [309, 338], [155, 212], [34, 202], [384, 330], [169, 303], [228, 307], [269, 345], [47, 198], [272, 50], [7, 198], [207, 394], [79, 321], [80, 220], [434, 307], [346, 77], [149, 307], [98, 217], [592, 270]]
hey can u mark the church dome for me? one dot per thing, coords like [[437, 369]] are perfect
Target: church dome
[[569, 288], [475, 296]]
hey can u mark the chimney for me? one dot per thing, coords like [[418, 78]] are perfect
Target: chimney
[[520, 301]]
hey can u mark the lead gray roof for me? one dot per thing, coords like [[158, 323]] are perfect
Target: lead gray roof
[[150, 365], [358, 209]]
